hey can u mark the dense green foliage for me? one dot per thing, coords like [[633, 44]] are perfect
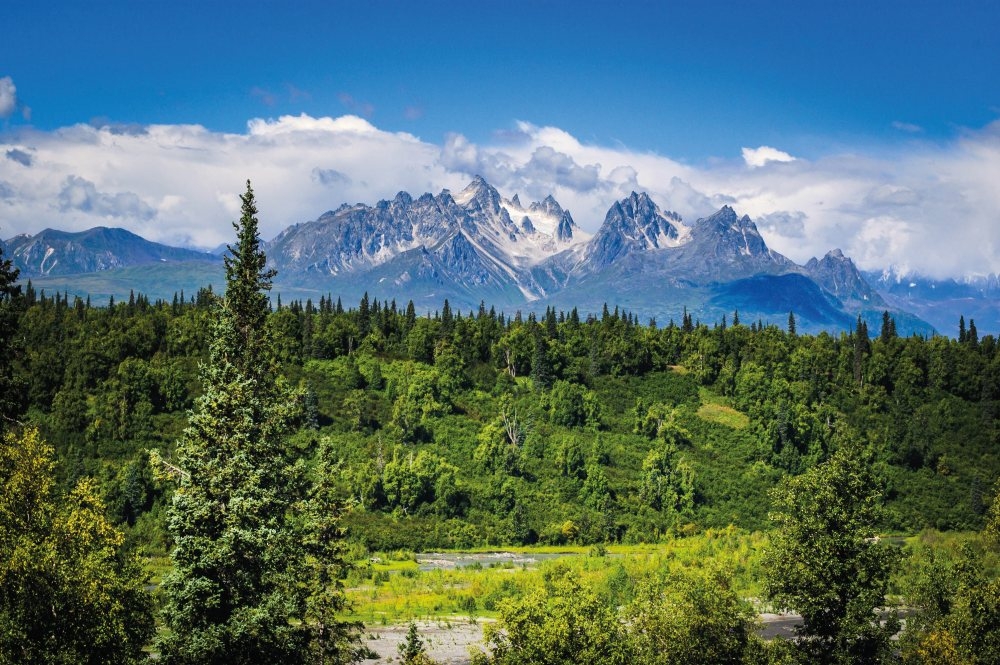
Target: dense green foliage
[[69, 592], [957, 600], [687, 618], [440, 426], [827, 563], [11, 303], [438, 422]]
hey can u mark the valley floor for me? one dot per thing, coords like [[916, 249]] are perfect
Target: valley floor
[[450, 642]]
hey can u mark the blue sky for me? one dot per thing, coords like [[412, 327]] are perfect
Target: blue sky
[[583, 99], [691, 79]]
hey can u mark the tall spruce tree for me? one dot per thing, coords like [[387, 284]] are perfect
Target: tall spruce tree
[[12, 393], [239, 591]]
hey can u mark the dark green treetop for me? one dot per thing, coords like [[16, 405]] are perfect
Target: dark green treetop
[[240, 517], [11, 304], [248, 280]]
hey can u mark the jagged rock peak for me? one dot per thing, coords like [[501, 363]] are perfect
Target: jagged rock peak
[[633, 224], [548, 205], [564, 233], [481, 194], [726, 222], [638, 204], [648, 217], [837, 273], [724, 216], [832, 258]]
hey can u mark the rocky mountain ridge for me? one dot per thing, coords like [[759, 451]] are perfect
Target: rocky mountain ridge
[[477, 245], [51, 252]]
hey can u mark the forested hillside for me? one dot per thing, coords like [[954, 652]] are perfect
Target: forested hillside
[[461, 429]]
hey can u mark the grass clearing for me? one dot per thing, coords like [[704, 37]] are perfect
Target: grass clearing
[[380, 595], [716, 409]]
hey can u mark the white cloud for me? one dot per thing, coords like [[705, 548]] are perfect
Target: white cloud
[[932, 207], [907, 127], [79, 194], [8, 97], [755, 157], [189, 178]]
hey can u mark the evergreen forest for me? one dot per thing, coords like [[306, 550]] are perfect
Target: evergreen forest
[[261, 451]]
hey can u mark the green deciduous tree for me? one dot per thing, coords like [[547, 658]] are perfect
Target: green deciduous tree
[[562, 623], [500, 440], [667, 480], [691, 618], [69, 592], [957, 607], [827, 563]]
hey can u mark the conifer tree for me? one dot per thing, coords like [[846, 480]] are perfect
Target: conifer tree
[[239, 591], [541, 366], [11, 303]]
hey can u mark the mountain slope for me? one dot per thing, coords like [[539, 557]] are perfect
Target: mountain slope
[[942, 301], [54, 253]]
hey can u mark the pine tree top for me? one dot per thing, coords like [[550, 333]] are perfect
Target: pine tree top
[[246, 302], [247, 276]]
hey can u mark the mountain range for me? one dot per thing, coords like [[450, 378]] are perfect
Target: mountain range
[[477, 246]]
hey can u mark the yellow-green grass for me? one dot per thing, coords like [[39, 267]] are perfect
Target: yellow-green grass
[[389, 588], [460, 594], [157, 567], [716, 409]]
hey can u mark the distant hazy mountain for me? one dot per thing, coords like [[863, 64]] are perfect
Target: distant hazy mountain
[[55, 253], [478, 246], [942, 301]]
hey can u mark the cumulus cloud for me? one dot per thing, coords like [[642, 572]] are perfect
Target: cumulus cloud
[[560, 169], [180, 184], [8, 97], [760, 156], [783, 223], [891, 195], [79, 194], [118, 128], [930, 207]]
